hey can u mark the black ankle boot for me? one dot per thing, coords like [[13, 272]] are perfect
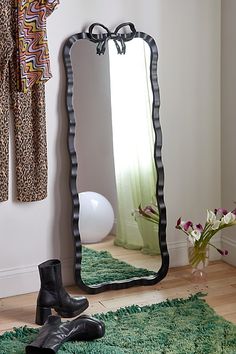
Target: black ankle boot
[[53, 295], [54, 333]]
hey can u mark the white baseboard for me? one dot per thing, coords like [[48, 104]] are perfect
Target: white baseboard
[[23, 280], [18, 280], [229, 244], [178, 253]]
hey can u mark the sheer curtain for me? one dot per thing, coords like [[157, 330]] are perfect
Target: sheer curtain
[[133, 143]]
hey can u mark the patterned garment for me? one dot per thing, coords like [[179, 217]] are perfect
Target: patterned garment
[[28, 120], [33, 54]]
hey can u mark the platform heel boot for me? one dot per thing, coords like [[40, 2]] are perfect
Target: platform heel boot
[[52, 294]]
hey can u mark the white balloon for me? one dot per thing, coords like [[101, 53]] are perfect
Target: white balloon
[[96, 217]]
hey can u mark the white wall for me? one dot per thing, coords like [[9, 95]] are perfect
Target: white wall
[[228, 125], [188, 36], [189, 71]]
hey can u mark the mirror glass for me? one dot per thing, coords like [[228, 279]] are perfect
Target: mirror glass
[[114, 143]]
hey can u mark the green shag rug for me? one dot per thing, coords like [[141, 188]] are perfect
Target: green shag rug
[[180, 326], [99, 266]]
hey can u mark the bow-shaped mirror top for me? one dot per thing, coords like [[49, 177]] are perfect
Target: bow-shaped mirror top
[[115, 141], [116, 36]]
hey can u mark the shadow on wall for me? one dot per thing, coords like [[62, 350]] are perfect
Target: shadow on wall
[[62, 232]]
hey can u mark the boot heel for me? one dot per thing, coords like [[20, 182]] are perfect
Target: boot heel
[[42, 314]]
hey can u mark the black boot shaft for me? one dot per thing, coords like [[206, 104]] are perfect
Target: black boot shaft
[[50, 274], [54, 333], [53, 295], [51, 283]]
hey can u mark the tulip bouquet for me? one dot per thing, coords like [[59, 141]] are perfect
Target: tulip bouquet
[[147, 218], [200, 237], [149, 212]]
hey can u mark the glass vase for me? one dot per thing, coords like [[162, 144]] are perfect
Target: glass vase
[[198, 257]]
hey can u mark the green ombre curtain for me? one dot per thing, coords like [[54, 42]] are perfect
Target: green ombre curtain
[[133, 144]]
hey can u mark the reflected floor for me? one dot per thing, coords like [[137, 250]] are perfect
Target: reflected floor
[[132, 257]]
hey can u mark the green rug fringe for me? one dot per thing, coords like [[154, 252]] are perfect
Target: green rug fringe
[[124, 311], [100, 266], [179, 326]]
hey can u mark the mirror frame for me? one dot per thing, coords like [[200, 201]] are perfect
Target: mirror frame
[[149, 280]]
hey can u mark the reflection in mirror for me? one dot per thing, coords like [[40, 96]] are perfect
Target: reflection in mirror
[[114, 142]]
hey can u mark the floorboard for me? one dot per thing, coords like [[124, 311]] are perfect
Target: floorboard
[[220, 288]]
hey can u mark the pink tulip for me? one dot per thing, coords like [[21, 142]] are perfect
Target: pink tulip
[[199, 227], [222, 252], [150, 210], [178, 223], [149, 213], [187, 225], [234, 211], [221, 211]]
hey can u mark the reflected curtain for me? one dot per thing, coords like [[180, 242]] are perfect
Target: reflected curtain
[[133, 144]]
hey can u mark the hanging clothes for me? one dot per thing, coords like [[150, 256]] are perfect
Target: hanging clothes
[[28, 107], [33, 54]]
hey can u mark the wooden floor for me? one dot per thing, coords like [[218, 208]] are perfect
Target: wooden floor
[[221, 289]]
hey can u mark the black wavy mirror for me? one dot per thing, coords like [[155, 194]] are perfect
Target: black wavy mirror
[[115, 141]]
